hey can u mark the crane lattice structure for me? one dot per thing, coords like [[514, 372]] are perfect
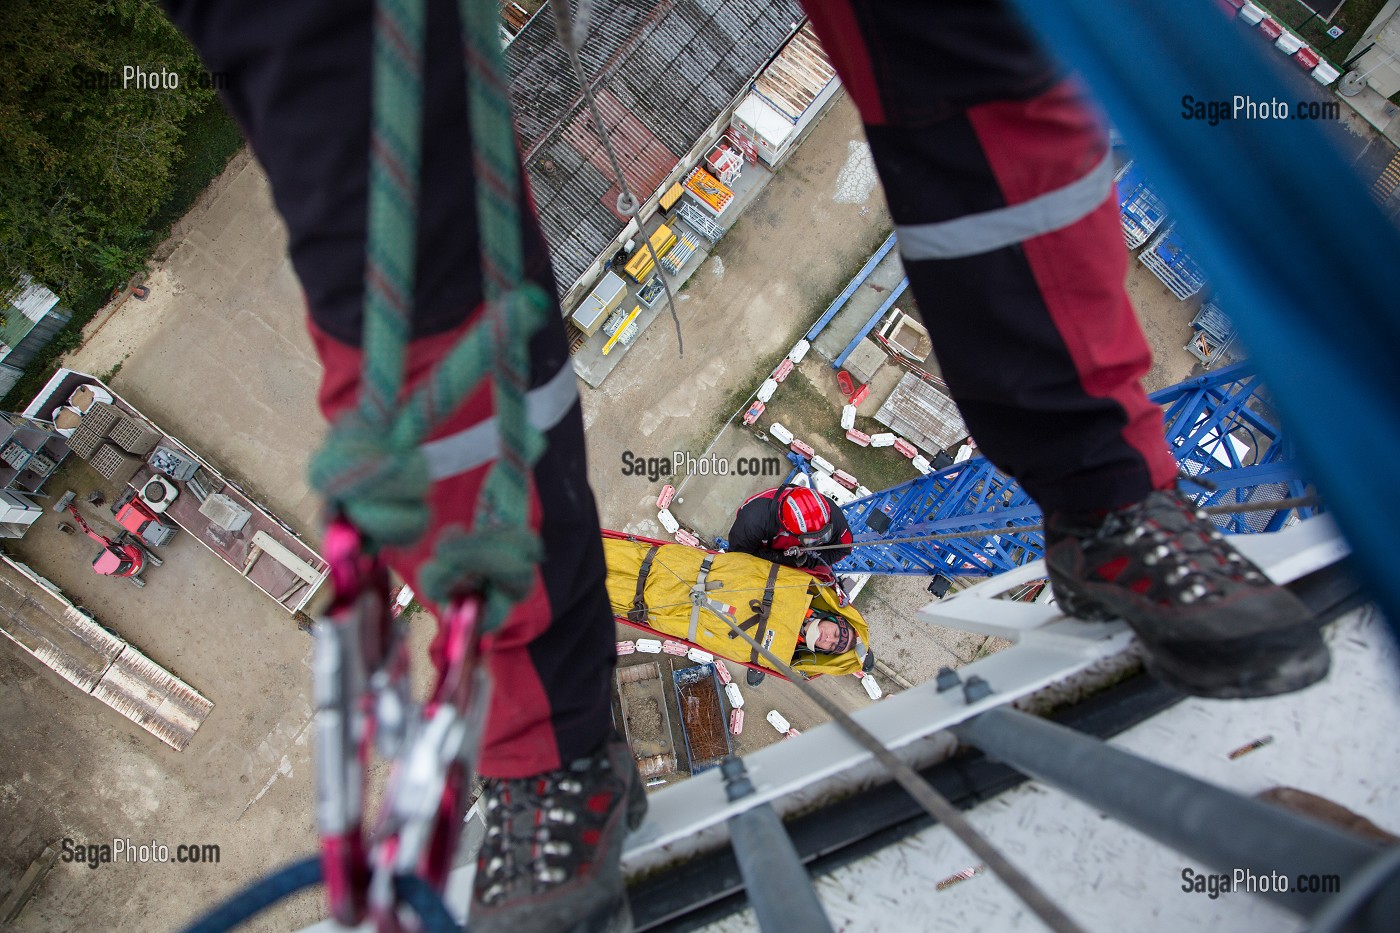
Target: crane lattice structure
[[1220, 427]]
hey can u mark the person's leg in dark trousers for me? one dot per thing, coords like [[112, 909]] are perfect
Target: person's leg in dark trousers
[[299, 84], [999, 180]]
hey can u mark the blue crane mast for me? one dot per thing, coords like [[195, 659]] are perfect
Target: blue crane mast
[[1220, 427]]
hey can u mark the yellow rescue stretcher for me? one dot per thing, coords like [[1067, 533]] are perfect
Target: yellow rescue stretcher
[[679, 592]]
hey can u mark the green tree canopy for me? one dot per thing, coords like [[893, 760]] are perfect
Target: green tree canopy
[[85, 162]]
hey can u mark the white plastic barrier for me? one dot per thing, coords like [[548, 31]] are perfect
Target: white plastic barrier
[[1324, 73]]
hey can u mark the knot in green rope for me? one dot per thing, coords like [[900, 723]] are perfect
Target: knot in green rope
[[497, 561], [380, 486]]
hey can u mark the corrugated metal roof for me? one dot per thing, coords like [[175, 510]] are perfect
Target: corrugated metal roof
[[153, 698], [33, 301], [922, 414], [661, 72], [795, 78]]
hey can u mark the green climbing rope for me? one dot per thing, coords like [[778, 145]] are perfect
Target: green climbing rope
[[372, 469]]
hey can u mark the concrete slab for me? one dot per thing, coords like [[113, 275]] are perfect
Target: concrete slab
[[862, 305], [865, 360]]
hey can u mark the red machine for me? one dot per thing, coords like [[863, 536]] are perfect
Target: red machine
[[120, 556], [136, 516]]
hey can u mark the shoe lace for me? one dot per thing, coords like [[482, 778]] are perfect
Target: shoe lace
[[535, 816], [1190, 559]]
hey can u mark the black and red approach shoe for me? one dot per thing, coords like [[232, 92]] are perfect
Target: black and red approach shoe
[[1211, 623], [549, 862]]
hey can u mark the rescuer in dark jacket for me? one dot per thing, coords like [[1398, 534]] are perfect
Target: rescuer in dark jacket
[[779, 523]]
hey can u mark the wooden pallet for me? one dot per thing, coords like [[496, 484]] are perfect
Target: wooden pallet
[[577, 338]]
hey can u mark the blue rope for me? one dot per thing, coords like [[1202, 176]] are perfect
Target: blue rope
[[300, 875], [259, 896], [427, 904]]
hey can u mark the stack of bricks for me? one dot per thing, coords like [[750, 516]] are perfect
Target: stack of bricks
[[101, 417], [115, 464], [133, 436], [85, 440]]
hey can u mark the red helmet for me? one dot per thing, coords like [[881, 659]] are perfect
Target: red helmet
[[805, 514]]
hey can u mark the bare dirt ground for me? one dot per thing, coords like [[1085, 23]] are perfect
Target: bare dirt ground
[[220, 355]]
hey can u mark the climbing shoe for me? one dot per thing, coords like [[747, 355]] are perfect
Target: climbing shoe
[[549, 861], [1210, 622]]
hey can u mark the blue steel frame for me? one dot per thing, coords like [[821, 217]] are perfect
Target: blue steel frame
[[1218, 426], [840, 301], [869, 325]]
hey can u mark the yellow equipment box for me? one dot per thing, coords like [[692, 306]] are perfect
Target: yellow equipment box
[[641, 265], [672, 195]]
